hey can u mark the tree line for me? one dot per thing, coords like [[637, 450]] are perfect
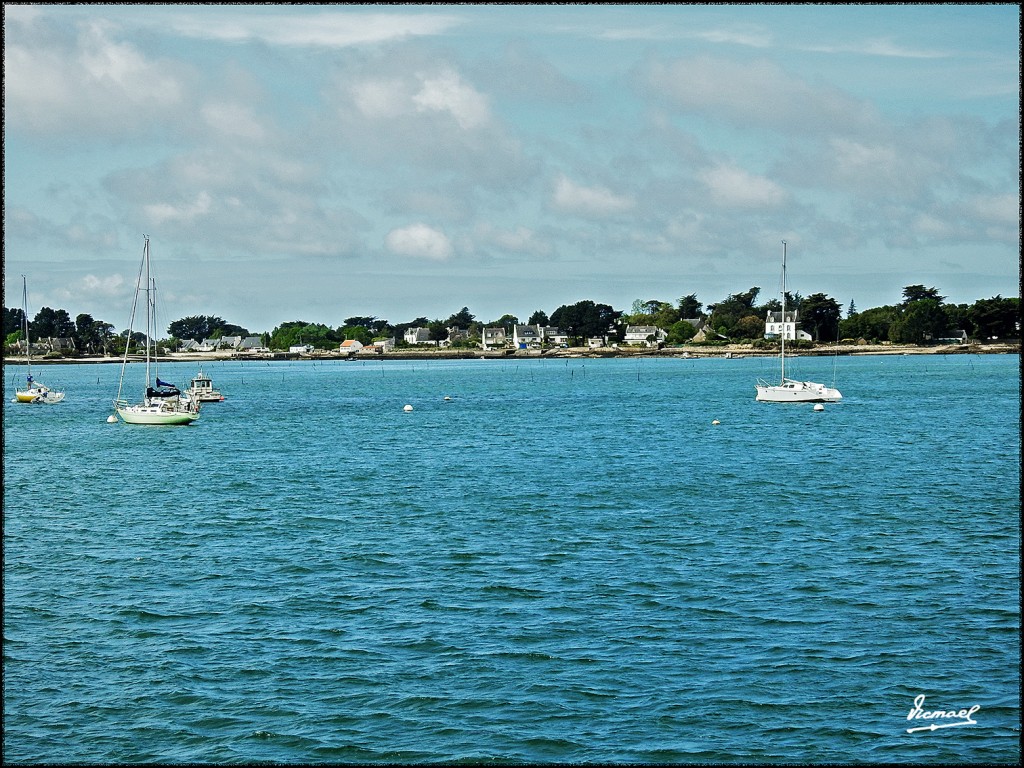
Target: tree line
[[921, 317]]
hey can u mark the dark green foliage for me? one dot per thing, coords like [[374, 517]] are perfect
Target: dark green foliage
[[995, 318], [584, 319], [819, 316], [51, 323], [199, 327]]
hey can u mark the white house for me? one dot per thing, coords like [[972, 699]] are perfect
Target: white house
[[301, 349], [644, 335], [417, 336], [252, 344], [493, 337], [777, 326], [350, 346], [456, 335], [527, 336], [553, 335], [535, 336]]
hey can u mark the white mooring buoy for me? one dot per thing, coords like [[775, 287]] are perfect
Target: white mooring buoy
[[407, 408], [716, 422], [819, 407], [111, 419]]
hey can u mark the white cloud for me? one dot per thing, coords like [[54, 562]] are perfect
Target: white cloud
[[998, 209], [329, 29], [419, 241], [233, 120], [754, 94], [447, 93], [93, 82], [588, 201], [885, 47], [161, 212], [90, 287], [443, 92], [521, 241], [380, 98], [733, 187]]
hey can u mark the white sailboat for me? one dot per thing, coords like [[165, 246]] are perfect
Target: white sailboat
[[34, 391], [164, 403], [791, 390]]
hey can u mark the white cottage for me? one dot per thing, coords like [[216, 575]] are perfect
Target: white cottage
[[778, 325], [417, 336], [644, 335], [493, 337]]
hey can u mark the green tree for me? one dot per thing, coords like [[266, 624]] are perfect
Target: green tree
[[749, 327], [356, 333], [870, 325], [13, 319], [199, 327], [584, 319], [506, 322], [689, 307], [461, 319], [957, 318], [726, 314], [820, 316], [539, 318], [296, 332], [104, 335], [920, 321], [995, 318], [52, 323], [681, 332], [86, 339], [912, 293], [370, 323], [653, 312], [438, 330]]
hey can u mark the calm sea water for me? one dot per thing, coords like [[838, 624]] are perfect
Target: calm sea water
[[566, 561]]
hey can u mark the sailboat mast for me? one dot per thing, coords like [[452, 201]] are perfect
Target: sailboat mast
[[24, 322], [149, 311], [783, 312]]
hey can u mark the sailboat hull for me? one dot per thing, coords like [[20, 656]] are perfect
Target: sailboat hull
[[791, 391], [35, 395], [156, 415]]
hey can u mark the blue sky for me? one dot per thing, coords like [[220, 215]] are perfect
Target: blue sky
[[321, 162]]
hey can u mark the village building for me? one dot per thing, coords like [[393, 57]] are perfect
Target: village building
[[779, 325]]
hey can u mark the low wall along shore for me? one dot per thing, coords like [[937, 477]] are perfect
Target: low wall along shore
[[683, 351]]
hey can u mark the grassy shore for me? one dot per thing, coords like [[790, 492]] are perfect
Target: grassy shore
[[685, 351]]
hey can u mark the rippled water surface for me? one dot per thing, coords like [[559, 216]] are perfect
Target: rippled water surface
[[566, 561]]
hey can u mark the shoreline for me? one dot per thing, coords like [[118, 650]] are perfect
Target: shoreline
[[686, 352]]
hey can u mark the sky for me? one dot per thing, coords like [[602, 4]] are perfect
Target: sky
[[322, 162]]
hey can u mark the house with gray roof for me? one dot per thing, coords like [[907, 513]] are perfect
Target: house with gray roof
[[644, 335]]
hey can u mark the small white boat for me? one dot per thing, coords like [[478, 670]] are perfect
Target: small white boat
[[165, 403], [34, 391], [202, 389], [790, 390]]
